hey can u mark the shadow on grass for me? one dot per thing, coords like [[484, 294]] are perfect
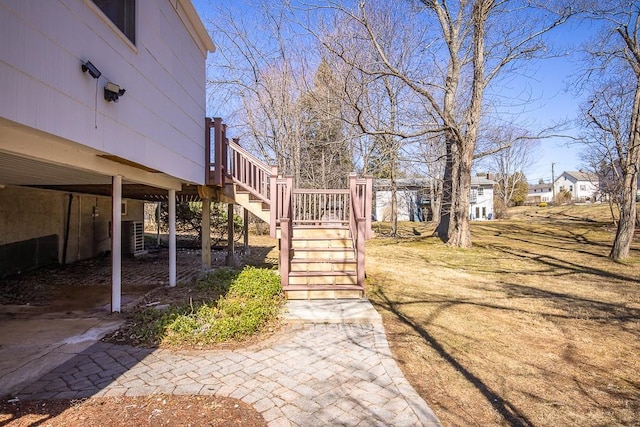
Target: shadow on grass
[[508, 411], [559, 264]]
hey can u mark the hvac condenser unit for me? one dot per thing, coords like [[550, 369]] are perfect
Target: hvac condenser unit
[[132, 238]]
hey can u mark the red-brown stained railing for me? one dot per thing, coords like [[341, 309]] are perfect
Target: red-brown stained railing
[[250, 173], [320, 207], [360, 220], [284, 187]]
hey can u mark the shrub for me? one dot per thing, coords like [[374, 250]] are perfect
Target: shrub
[[253, 301]]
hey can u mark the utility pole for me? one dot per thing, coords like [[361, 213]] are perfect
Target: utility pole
[[553, 182]]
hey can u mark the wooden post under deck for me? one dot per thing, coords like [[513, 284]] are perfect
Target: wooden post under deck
[[232, 261], [245, 224], [206, 234]]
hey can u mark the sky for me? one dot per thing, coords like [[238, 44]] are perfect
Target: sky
[[554, 99]]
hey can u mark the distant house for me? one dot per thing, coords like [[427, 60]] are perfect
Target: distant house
[[414, 202], [481, 199], [583, 186], [412, 197], [538, 193]]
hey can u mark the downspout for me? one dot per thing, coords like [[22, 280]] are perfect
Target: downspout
[[66, 232]]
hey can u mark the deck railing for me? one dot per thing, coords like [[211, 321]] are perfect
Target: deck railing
[[321, 207], [234, 164], [249, 172]]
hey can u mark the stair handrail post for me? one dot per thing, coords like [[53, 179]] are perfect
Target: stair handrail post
[[218, 148], [286, 232], [358, 224], [225, 154], [273, 200], [368, 200], [360, 258], [354, 202], [284, 252], [207, 151]]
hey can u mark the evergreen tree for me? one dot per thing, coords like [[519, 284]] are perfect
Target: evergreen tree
[[326, 157]]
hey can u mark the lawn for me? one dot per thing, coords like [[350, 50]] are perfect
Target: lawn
[[534, 325]]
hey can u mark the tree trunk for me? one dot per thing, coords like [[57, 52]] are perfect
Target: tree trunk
[[627, 222], [630, 169], [453, 228]]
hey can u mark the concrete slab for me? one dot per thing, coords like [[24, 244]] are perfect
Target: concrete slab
[[330, 311], [29, 348]]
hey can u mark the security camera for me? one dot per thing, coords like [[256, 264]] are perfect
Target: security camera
[[93, 71]]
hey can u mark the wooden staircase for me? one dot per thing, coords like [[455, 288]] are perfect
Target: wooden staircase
[[323, 264], [321, 232]]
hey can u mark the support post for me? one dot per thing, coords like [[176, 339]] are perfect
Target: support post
[[273, 201], [206, 234], [245, 224], [172, 237], [116, 243], [285, 250], [232, 261]]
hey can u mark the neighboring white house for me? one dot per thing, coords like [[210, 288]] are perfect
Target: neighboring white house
[[410, 196], [542, 192], [481, 201], [414, 204], [582, 186], [99, 98]]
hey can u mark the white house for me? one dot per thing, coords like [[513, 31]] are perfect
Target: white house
[[541, 192], [414, 204], [411, 197], [101, 101], [582, 186], [481, 200]]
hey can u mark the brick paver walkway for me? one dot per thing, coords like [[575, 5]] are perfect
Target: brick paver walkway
[[312, 374]]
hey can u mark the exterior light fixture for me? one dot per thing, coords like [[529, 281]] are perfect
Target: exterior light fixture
[[93, 71], [112, 92]]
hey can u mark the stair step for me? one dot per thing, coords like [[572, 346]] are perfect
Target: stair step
[[302, 231], [323, 253], [323, 265], [320, 242], [322, 278], [324, 292]]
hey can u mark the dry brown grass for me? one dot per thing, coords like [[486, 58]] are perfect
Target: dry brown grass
[[532, 326]]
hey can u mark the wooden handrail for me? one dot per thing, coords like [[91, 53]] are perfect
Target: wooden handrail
[[249, 173]]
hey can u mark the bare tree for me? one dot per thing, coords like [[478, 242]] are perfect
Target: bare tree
[[517, 152], [613, 112], [462, 47], [376, 105], [259, 75], [605, 131]]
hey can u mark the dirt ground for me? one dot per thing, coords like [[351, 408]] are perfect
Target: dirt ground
[[155, 410]]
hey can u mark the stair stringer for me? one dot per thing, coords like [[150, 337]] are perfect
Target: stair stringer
[[243, 198]]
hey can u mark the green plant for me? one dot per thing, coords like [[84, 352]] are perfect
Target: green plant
[[252, 301]]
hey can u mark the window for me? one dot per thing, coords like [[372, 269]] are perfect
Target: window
[[480, 191], [583, 188], [122, 13], [571, 188]]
